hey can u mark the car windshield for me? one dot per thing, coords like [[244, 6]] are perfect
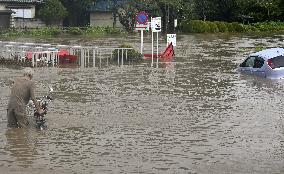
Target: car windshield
[[278, 62]]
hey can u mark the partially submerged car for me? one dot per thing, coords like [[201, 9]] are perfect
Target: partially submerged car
[[268, 63]]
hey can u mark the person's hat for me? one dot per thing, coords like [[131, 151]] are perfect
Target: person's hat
[[28, 71]]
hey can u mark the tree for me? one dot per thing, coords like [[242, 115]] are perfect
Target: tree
[[52, 12], [77, 12], [261, 10], [167, 9], [128, 11], [271, 7], [204, 9]]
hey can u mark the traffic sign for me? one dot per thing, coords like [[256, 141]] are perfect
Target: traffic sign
[[142, 17]]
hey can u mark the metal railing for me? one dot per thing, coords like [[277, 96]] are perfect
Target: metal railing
[[87, 56]]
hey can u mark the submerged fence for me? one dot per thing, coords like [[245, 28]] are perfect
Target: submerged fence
[[39, 54]]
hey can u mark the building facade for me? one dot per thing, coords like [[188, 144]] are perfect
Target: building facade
[[19, 14], [103, 13]]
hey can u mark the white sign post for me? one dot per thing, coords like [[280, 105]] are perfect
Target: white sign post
[[141, 27], [141, 24], [156, 25]]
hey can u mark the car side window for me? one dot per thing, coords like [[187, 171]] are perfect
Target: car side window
[[249, 62], [258, 62]]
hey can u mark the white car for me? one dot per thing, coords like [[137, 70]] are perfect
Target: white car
[[268, 63]]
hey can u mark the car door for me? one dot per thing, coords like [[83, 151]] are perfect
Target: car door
[[257, 68]]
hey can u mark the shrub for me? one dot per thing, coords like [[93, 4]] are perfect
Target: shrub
[[46, 31], [132, 55], [250, 28], [230, 27], [75, 31], [95, 31], [197, 26], [213, 27], [238, 27], [222, 27]]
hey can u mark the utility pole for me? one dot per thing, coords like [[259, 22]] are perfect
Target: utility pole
[[114, 13]]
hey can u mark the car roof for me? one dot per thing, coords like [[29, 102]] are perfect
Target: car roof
[[269, 53]]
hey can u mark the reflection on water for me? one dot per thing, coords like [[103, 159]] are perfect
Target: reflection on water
[[20, 147], [194, 114]]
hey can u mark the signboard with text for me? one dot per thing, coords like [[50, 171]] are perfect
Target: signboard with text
[[172, 38]]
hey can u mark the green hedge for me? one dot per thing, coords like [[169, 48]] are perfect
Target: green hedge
[[222, 26], [199, 26], [56, 31]]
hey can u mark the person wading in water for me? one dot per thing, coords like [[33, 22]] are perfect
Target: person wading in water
[[21, 92]]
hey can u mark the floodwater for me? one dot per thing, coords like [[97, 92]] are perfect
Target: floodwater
[[195, 114]]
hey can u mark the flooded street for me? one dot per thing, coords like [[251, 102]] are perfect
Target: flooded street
[[194, 115]]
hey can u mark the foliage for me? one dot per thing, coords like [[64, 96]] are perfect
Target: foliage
[[99, 31], [75, 31], [198, 26], [77, 12], [213, 27], [221, 26], [206, 10], [56, 31], [237, 27], [167, 9], [195, 26], [48, 31], [52, 12]]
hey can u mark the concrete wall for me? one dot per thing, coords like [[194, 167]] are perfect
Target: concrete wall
[[28, 23], [103, 19], [2, 6]]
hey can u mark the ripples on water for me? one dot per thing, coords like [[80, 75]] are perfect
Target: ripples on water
[[192, 115]]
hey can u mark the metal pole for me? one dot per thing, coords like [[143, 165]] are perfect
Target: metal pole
[[118, 57], [126, 54], [100, 59], [122, 50], [33, 59], [37, 56], [88, 57], [142, 41], [94, 57], [57, 58], [111, 55], [157, 48], [82, 57], [152, 48], [52, 58]]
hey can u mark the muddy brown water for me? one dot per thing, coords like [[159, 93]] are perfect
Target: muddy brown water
[[195, 114]]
